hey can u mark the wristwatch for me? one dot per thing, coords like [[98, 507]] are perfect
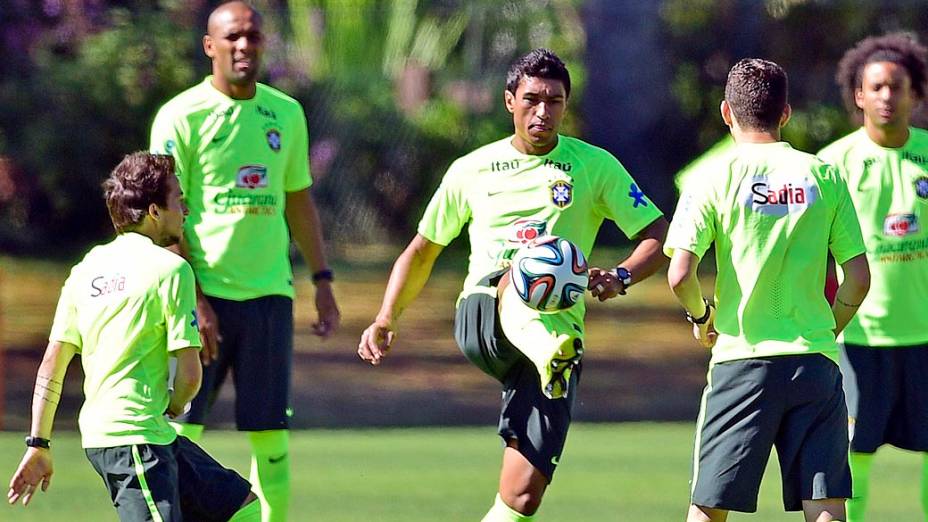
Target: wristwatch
[[624, 275], [38, 442], [705, 316]]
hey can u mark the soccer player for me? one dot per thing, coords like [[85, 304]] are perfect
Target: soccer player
[[532, 183], [242, 159], [885, 166], [127, 308], [774, 214]]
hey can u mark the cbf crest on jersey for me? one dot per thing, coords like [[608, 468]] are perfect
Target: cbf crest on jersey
[[778, 195], [562, 194], [921, 187], [273, 140]]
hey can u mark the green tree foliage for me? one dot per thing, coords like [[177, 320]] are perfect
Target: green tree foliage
[[394, 90], [806, 37]]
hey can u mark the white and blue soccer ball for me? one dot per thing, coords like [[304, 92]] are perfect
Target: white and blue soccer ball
[[550, 274]]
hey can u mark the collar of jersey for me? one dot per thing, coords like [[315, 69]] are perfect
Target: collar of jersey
[[208, 84]]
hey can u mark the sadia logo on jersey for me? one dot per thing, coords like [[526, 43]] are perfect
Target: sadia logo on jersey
[[778, 196], [251, 176], [527, 230], [900, 225]]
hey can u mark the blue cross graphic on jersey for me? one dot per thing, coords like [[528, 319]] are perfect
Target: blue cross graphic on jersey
[[638, 196]]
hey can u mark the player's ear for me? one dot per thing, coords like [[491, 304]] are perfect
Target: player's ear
[[208, 47], [784, 118], [510, 100], [859, 98], [725, 109], [154, 211]]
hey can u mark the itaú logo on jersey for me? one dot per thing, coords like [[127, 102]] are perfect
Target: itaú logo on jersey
[[251, 176], [899, 225], [778, 197]]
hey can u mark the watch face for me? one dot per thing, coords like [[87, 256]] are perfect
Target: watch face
[[624, 275]]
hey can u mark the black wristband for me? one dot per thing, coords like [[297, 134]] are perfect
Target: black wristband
[[323, 275], [705, 316], [38, 442]]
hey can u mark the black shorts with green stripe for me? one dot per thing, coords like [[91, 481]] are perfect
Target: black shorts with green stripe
[[169, 483], [538, 423], [887, 396], [792, 402]]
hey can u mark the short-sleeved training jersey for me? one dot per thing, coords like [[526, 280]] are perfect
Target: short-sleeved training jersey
[[236, 160], [509, 198], [126, 305], [889, 188], [773, 213]]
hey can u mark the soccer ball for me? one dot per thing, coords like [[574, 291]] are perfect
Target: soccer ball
[[550, 274]]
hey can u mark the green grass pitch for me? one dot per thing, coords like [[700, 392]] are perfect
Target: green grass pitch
[[609, 472]]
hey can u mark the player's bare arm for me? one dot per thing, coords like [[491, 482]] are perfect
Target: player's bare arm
[[207, 322], [681, 275], [36, 469], [187, 380], [852, 290], [306, 231], [410, 273], [644, 261]]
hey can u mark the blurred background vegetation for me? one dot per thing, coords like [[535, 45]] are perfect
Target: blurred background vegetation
[[395, 90]]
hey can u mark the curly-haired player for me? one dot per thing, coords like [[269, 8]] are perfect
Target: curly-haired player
[[885, 164]]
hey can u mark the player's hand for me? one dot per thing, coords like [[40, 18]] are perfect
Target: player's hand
[[209, 330], [604, 284], [34, 470], [329, 316], [376, 341], [705, 333]]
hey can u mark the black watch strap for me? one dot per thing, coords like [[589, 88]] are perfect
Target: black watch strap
[[705, 316], [38, 442], [323, 275]]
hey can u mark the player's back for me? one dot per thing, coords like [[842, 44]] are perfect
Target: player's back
[[114, 308], [774, 211]]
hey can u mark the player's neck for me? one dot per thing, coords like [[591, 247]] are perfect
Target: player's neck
[[236, 92], [755, 136], [889, 137], [529, 149]]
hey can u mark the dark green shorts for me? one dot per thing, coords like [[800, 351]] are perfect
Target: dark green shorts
[[173, 483], [792, 402], [538, 423], [257, 345], [887, 396]]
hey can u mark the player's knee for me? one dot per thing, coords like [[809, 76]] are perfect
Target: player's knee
[[525, 502]]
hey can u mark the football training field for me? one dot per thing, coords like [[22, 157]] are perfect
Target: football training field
[[612, 472]]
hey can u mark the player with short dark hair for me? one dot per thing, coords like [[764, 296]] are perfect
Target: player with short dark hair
[[774, 214], [242, 152], [128, 308], [528, 185], [885, 165]]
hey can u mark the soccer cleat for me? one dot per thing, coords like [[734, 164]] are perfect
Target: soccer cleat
[[555, 377], [554, 355]]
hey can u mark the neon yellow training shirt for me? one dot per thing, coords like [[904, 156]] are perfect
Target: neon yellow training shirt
[[509, 198], [236, 160], [889, 188], [773, 213], [126, 306]]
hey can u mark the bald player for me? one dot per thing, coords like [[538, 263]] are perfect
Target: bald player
[[241, 150]]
